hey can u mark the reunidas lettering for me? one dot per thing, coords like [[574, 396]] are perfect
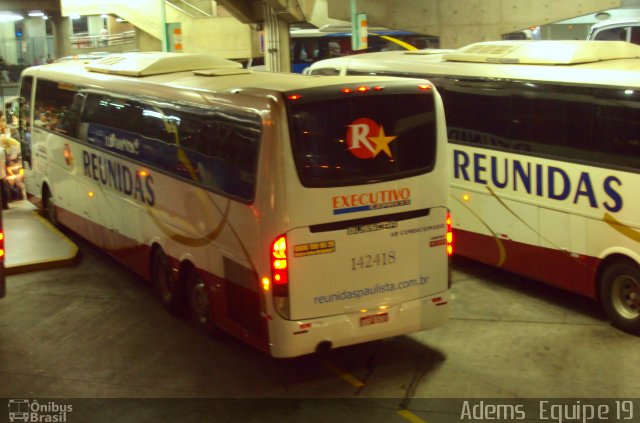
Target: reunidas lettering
[[119, 177], [539, 179]]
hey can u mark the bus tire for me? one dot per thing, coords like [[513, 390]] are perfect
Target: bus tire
[[620, 295], [198, 302], [49, 207], [168, 287]]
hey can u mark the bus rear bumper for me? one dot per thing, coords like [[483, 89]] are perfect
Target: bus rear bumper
[[295, 338]]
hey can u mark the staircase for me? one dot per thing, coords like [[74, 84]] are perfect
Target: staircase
[[195, 9], [202, 29]]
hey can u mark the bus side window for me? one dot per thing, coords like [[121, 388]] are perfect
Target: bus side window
[[230, 143], [554, 120], [153, 123], [617, 127], [53, 106], [613, 34], [463, 99], [635, 34]]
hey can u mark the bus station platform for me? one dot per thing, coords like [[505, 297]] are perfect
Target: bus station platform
[[31, 242]]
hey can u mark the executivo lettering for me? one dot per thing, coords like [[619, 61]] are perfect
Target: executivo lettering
[[371, 200]]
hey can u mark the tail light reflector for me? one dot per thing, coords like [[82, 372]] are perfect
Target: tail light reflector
[[449, 235], [280, 266]]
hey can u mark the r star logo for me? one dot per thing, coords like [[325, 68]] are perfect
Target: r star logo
[[366, 139]]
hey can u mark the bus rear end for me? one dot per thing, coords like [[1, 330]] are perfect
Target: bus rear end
[[364, 250]]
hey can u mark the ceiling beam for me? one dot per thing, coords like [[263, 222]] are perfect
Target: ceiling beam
[[26, 5], [246, 11]]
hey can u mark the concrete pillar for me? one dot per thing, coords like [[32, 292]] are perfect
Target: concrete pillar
[[277, 46], [35, 34], [62, 34], [8, 49]]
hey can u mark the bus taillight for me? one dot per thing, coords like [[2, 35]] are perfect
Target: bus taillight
[[1, 245], [280, 275], [449, 235], [279, 267]]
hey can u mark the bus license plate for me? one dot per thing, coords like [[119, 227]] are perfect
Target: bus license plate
[[374, 319]]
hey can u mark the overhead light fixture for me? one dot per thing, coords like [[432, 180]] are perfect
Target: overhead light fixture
[[74, 17], [36, 13], [10, 17], [120, 20], [104, 16]]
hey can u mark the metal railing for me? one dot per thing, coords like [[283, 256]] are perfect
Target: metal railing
[[97, 41]]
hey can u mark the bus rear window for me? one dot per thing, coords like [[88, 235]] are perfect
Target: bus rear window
[[363, 139]]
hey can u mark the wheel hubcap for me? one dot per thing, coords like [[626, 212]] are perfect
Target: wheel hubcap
[[200, 302], [626, 299], [165, 280]]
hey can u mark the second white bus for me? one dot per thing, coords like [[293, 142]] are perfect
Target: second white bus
[[544, 142], [297, 213]]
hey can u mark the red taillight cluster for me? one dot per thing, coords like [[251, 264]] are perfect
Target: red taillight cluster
[[361, 89], [279, 266], [1, 246], [449, 235]]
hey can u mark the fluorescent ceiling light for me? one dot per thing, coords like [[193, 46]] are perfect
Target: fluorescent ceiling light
[[36, 13], [9, 17], [74, 16]]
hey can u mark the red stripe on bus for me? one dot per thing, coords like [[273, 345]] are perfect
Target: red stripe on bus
[[554, 267]]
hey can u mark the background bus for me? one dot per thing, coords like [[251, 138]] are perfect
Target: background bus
[[301, 215], [311, 45], [545, 157], [623, 29]]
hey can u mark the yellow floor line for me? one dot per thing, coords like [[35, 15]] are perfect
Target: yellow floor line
[[344, 375], [411, 417], [56, 231]]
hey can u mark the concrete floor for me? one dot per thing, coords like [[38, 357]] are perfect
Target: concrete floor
[[95, 330]]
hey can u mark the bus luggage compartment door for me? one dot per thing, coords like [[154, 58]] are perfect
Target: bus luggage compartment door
[[336, 269]]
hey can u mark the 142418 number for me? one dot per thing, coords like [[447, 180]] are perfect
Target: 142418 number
[[373, 260]]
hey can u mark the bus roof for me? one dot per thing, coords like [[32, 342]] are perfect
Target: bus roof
[[153, 76], [143, 64], [544, 52], [615, 63]]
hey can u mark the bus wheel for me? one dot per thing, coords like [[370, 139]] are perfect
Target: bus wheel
[[198, 301], [620, 295], [48, 207], [170, 291]]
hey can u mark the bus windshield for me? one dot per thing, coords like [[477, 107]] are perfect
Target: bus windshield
[[356, 140]]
